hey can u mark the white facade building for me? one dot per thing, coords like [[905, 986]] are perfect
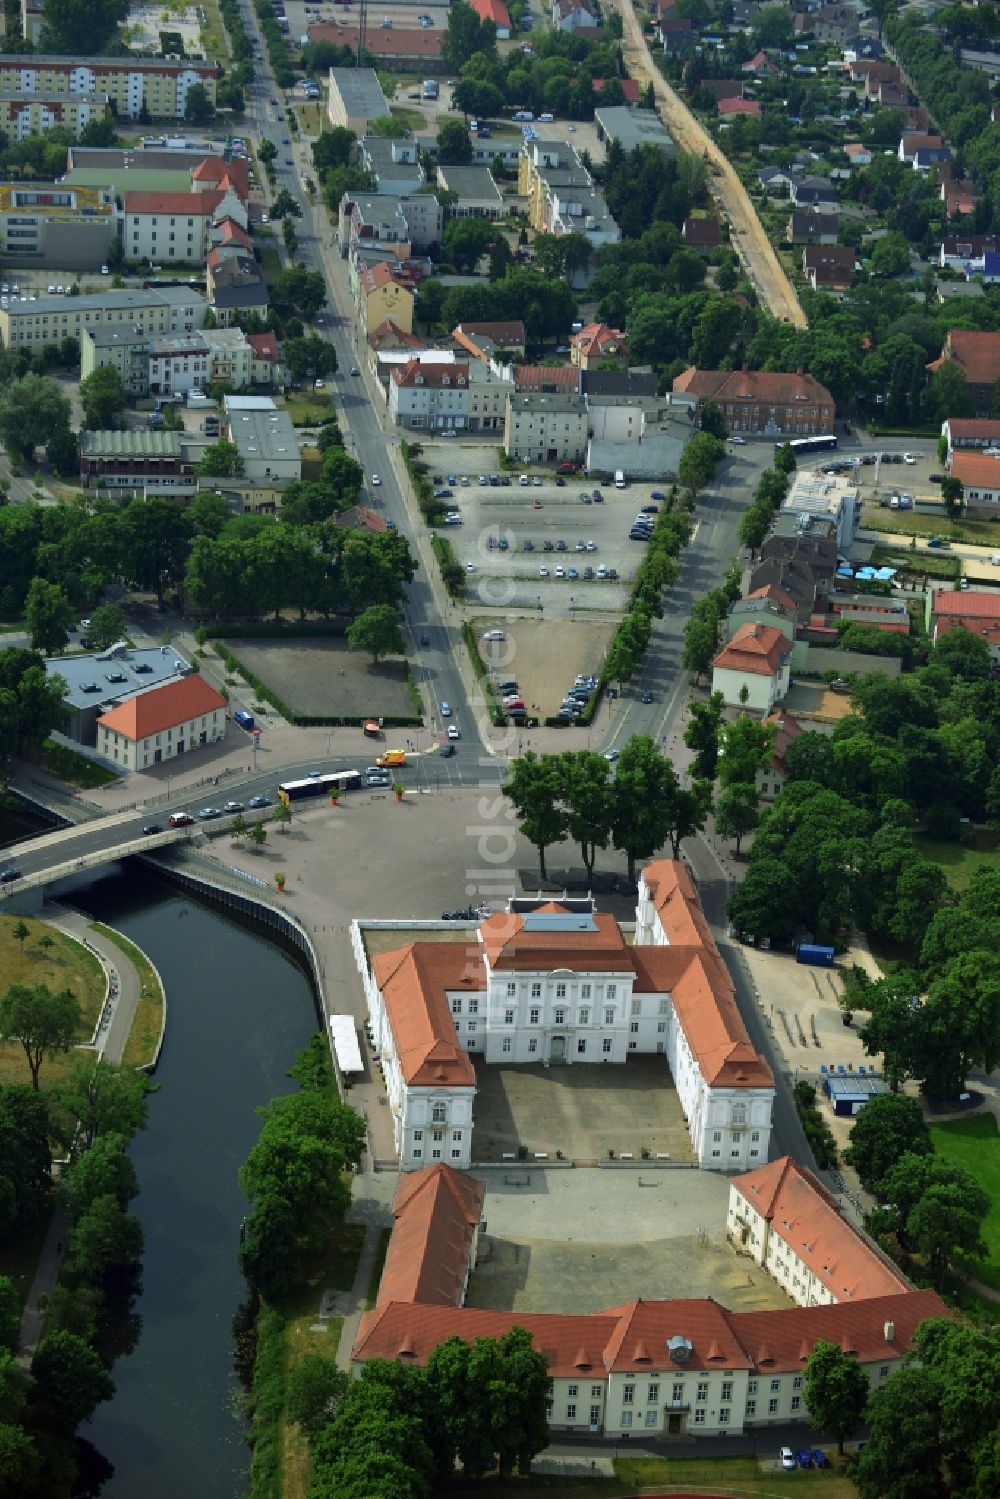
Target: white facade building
[[557, 983]]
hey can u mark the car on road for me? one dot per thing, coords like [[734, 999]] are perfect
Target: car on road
[[150, 828], [376, 481], [588, 573], [602, 571], [233, 807], [318, 385], [647, 697], [560, 482], [536, 481], [638, 533], [649, 510], [208, 814], [612, 755], [85, 624], [536, 504], [658, 495], [470, 567], [8, 876], [935, 478], [355, 370], [377, 778], [285, 141], [572, 573], [740, 442], [445, 709], [786, 1457], [560, 572], [447, 750], [453, 731], [260, 800]]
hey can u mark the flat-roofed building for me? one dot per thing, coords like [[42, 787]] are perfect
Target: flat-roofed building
[[264, 437], [32, 325], [355, 98], [135, 459], [478, 196], [94, 683], [395, 164], [50, 224], [632, 127], [131, 84], [544, 428]]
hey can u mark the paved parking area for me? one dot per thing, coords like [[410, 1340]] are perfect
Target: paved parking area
[[558, 1240], [584, 1111]]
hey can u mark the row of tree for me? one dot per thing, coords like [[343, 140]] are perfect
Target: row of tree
[[659, 569]]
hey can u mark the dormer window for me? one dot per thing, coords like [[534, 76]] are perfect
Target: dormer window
[[446, 380], [419, 380]]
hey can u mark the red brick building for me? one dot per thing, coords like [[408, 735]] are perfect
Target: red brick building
[[762, 401]]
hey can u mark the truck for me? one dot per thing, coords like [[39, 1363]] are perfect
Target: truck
[[619, 478], [244, 719], [371, 729], [392, 757], [430, 88], [811, 952]]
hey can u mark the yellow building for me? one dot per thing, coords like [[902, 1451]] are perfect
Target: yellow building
[[129, 83], [22, 115], [383, 294]]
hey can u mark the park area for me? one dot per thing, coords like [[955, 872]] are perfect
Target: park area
[[324, 679], [958, 860], [975, 1144], [33, 953]]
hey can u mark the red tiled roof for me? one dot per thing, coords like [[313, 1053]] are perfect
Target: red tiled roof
[[162, 708], [439, 376], [764, 386], [788, 730], [644, 1328], [986, 427], [492, 10], [774, 595], [630, 86], [739, 107], [973, 603], [502, 333], [382, 274], [759, 649], [559, 377], [264, 345], [975, 470], [397, 41], [414, 981], [595, 338], [803, 1213], [234, 233], [782, 1340], [437, 1211], [572, 1345], [191, 205], [392, 334], [235, 173]]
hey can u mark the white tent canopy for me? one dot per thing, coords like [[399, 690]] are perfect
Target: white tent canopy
[[344, 1035]]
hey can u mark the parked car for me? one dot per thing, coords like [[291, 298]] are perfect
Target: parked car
[[787, 1458], [8, 876], [233, 807], [820, 1459], [445, 710], [804, 1457]]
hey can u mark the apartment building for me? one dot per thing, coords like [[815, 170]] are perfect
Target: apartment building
[[762, 401], [394, 164], [544, 428], [22, 115], [53, 224], [388, 225], [562, 198], [753, 668], [354, 97], [555, 983], [431, 396], [382, 294], [476, 194], [32, 325], [130, 84], [191, 361], [176, 228]]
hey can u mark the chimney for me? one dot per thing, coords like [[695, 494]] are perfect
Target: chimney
[[889, 1331]]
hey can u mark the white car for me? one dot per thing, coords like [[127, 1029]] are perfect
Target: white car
[[543, 572], [376, 481], [524, 481], [560, 572], [740, 442], [470, 567], [453, 731], [494, 635], [908, 458], [787, 1458]]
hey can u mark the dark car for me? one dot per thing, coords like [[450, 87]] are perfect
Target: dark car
[[804, 1458], [936, 478], [647, 697], [86, 642], [637, 534], [443, 494], [8, 876], [208, 814], [649, 510], [820, 1459], [260, 801], [656, 494], [560, 483], [447, 750], [151, 827]]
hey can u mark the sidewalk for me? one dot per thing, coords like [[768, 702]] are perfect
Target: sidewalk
[[124, 984], [46, 1275]]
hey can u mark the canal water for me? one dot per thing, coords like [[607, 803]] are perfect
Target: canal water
[[238, 1009]]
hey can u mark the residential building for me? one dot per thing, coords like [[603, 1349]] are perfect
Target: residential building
[[776, 181], [447, 397], [562, 198], [762, 401], [395, 165], [788, 1223], [182, 363], [772, 776], [930, 158], [31, 325], [760, 66], [491, 340], [264, 436], [48, 224], [354, 96], [235, 285], [811, 228], [94, 683], [478, 196], [388, 338], [701, 232], [547, 379], [732, 106], [765, 606], [175, 228], [979, 476], [497, 12], [32, 16], [22, 115], [572, 15], [597, 341], [632, 127], [975, 609], [857, 154], [871, 73], [437, 1219], [813, 192], [971, 432], [677, 35], [396, 49], [829, 267], [978, 357], [752, 670], [629, 89], [550, 982], [135, 459], [958, 250], [622, 405], [386, 226], [384, 294], [542, 428], [913, 141], [828, 23], [959, 196], [124, 349], [265, 362], [130, 84], [162, 723]]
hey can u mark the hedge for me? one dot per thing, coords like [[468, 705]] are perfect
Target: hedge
[[262, 630], [479, 667]]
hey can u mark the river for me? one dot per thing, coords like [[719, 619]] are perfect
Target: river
[[238, 1009]]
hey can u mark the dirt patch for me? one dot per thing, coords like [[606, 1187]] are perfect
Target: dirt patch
[[545, 655], [325, 678]]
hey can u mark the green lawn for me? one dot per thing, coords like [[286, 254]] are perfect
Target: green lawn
[[736, 1477], [975, 1144], [308, 407], [958, 862], [65, 763]]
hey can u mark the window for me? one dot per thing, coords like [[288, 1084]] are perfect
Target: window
[[572, 1391], [772, 1407], [533, 1015], [677, 1394], [651, 1418], [699, 1417], [628, 1394], [595, 1415], [652, 1394], [727, 1390], [581, 1048], [739, 1114], [775, 1385], [702, 1391], [560, 991], [571, 1413], [716, 1137], [626, 1418], [456, 1007], [511, 991], [473, 1006], [584, 1017], [797, 1382], [724, 1416], [633, 1027], [532, 1046], [559, 1018], [751, 1407], [606, 1045], [584, 991], [751, 1387], [883, 1372], [661, 1026], [508, 1017], [506, 1044], [418, 1134], [612, 991], [663, 1008], [609, 1017], [418, 1154], [456, 1137], [439, 1114], [536, 991], [754, 1136], [636, 1007], [796, 1402]]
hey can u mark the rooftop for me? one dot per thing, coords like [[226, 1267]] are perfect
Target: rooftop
[[633, 127], [753, 385], [757, 649], [972, 603], [436, 1211], [162, 707], [134, 442], [131, 62], [57, 199], [109, 301], [359, 88], [976, 470], [88, 678], [470, 183], [262, 433]]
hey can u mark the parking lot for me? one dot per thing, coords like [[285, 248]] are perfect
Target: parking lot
[[545, 656], [552, 549]]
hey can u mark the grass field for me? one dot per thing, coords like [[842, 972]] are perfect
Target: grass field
[[140, 1048], [63, 965], [975, 1144], [960, 863], [736, 1477], [308, 408]]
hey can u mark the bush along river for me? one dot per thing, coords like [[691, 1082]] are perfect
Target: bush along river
[[238, 1010]]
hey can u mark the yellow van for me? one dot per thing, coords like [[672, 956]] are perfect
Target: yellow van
[[392, 757]]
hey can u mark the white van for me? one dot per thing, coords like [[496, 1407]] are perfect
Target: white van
[[619, 478]]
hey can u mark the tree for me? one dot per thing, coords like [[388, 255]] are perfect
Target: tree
[[63, 452], [377, 630], [466, 240], [296, 292], [19, 1461], [959, 1024], [310, 356], [836, 1390], [332, 149], [766, 903], [105, 1242], [712, 420], [953, 494], [49, 614], [939, 1207], [258, 833], [466, 35], [948, 394], [21, 933], [105, 1170], [42, 1022], [70, 1382], [102, 396], [533, 788], [77, 28], [588, 802], [888, 1127], [31, 411], [902, 1455], [699, 460], [31, 700], [890, 257], [644, 792], [314, 1389], [966, 1361], [154, 544], [701, 641], [747, 746], [738, 811], [107, 625], [772, 27], [198, 107], [454, 142], [702, 734], [491, 1397], [10, 1315], [98, 1100], [220, 460]]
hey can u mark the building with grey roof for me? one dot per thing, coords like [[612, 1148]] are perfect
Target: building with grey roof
[[124, 349], [395, 164], [96, 682], [656, 455], [545, 428], [633, 127], [31, 325], [136, 459], [355, 98], [477, 193], [264, 436]]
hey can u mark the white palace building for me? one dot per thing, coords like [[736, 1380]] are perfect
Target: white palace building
[[555, 982]]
